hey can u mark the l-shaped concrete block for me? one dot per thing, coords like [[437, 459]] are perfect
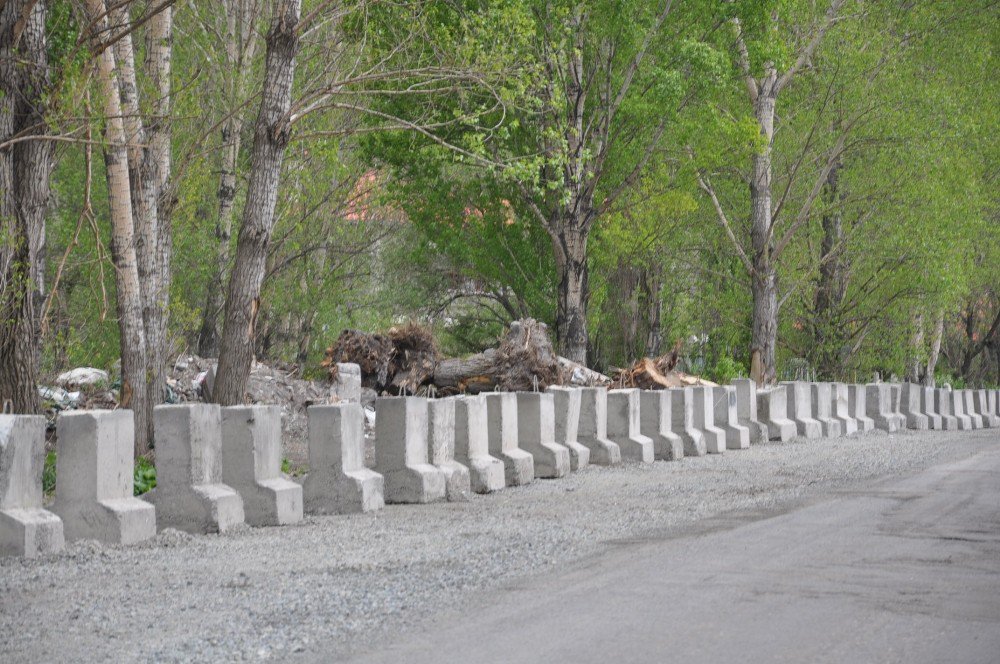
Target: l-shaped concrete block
[[26, 529], [338, 481]]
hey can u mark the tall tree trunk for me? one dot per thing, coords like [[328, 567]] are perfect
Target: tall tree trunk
[[270, 139], [134, 393], [914, 372], [654, 337], [24, 194], [764, 279], [240, 47], [570, 244], [832, 284], [935, 349]]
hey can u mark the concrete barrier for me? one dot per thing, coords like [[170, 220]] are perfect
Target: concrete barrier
[[624, 428], [704, 420], [501, 419], [338, 481], [189, 493], [26, 529], [472, 447], [682, 421], [879, 398], [567, 406], [536, 434], [840, 409], [655, 422], [896, 390], [772, 409], [985, 408], [957, 401], [912, 407], [727, 419], [347, 386], [251, 464], [95, 467], [930, 408], [800, 409], [441, 438], [821, 396], [942, 400], [401, 451], [970, 409], [746, 410], [593, 429], [857, 396]]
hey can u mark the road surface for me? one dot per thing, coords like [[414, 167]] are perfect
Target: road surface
[[904, 570]]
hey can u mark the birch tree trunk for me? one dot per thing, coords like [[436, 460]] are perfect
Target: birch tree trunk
[[570, 245], [270, 139], [935, 349], [914, 371], [134, 391], [24, 195]]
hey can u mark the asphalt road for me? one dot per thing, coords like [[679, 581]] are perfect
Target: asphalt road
[[904, 570]]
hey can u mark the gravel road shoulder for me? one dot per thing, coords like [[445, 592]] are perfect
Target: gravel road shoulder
[[266, 593]]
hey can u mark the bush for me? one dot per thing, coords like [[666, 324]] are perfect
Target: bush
[[145, 476], [49, 474], [725, 370]]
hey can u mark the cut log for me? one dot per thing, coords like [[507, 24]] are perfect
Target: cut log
[[470, 375]]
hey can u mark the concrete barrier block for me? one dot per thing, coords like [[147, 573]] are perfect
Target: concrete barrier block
[[970, 409], [567, 405], [985, 409], [772, 409], [879, 402], [401, 451], [682, 421], [190, 494], [251, 464], [593, 428], [896, 390], [501, 427], [655, 422], [746, 410], [942, 400], [95, 469], [704, 420], [338, 481], [958, 410], [347, 386], [26, 529], [472, 448], [799, 404], [623, 426], [441, 437], [727, 419], [840, 409], [857, 396], [928, 402], [912, 407], [821, 396], [536, 434]]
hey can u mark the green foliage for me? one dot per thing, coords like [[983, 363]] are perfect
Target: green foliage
[[725, 370], [144, 476], [49, 474]]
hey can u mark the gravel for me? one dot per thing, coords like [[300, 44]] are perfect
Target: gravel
[[331, 585]]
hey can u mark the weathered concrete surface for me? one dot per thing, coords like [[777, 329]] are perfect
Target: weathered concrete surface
[[912, 407], [655, 422], [536, 434], [441, 437], [942, 400], [984, 408], [800, 409], [772, 408], [347, 387], [746, 410], [401, 451], [930, 409], [879, 398], [821, 395], [727, 419], [958, 410], [897, 571], [624, 428], [26, 529], [472, 447], [251, 464], [338, 481], [896, 390], [840, 409], [858, 401], [189, 493], [95, 479], [682, 421], [704, 420], [593, 429], [567, 405], [501, 427], [970, 409]]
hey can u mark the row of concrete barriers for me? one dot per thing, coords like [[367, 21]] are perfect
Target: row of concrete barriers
[[219, 467]]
